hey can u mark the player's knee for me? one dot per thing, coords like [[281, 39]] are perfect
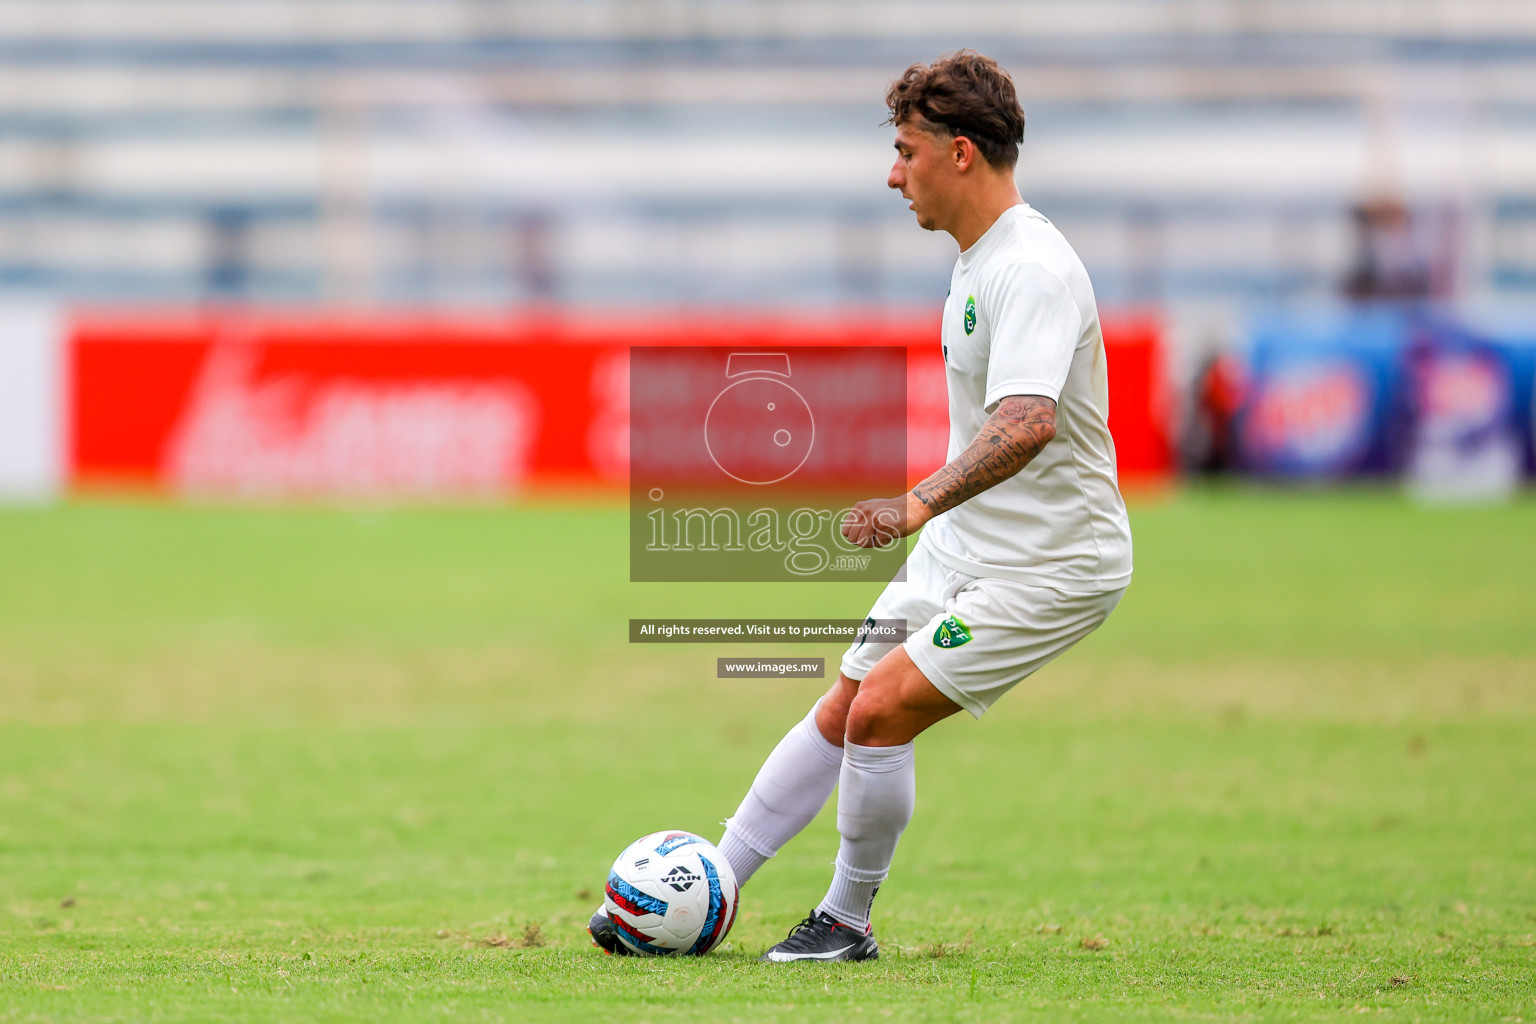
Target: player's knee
[[832, 711], [870, 717], [832, 719]]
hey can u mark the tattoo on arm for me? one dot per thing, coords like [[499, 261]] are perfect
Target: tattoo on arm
[[1014, 434]]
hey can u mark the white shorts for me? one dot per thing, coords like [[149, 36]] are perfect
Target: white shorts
[[976, 638]]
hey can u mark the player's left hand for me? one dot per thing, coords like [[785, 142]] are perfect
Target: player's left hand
[[876, 522]]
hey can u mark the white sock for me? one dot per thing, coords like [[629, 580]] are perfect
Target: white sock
[[877, 790], [791, 788]]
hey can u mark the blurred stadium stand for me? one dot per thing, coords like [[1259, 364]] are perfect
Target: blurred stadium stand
[[1202, 154]]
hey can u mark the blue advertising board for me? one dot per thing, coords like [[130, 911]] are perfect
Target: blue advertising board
[[1325, 394], [1374, 390]]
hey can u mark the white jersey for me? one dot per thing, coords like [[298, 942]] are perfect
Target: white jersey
[[1021, 320]]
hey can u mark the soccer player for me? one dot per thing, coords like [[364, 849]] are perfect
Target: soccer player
[[1025, 548]]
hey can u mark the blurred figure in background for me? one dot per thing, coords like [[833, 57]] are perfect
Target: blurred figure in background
[[1210, 440], [1390, 261]]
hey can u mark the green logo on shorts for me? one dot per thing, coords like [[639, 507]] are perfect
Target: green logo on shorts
[[951, 633], [970, 313]]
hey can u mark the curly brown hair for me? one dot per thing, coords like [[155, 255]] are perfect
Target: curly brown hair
[[962, 94]]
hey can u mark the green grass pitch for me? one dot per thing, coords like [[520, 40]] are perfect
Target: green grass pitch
[[315, 764]]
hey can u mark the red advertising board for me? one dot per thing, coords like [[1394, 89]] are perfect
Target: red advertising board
[[270, 404]]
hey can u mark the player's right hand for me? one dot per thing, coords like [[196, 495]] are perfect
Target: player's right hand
[[876, 522]]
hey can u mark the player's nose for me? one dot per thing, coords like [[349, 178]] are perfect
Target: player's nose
[[895, 179]]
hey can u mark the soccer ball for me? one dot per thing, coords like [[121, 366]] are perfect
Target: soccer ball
[[671, 892]]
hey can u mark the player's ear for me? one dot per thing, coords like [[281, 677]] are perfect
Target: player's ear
[[962, 151]]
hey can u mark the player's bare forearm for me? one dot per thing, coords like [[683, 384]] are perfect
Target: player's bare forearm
[[1014, 434]]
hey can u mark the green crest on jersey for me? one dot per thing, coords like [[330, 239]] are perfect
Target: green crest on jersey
[[970, 317], [951, 633]]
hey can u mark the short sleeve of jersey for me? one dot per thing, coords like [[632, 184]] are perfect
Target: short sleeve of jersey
[[1034, 324]]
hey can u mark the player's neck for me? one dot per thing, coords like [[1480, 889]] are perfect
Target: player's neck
[[981, 210]]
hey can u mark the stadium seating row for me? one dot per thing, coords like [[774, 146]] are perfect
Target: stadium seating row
[[480, 152]]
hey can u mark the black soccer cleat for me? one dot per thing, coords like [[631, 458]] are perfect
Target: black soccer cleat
[[823, 937], [605, 936]]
